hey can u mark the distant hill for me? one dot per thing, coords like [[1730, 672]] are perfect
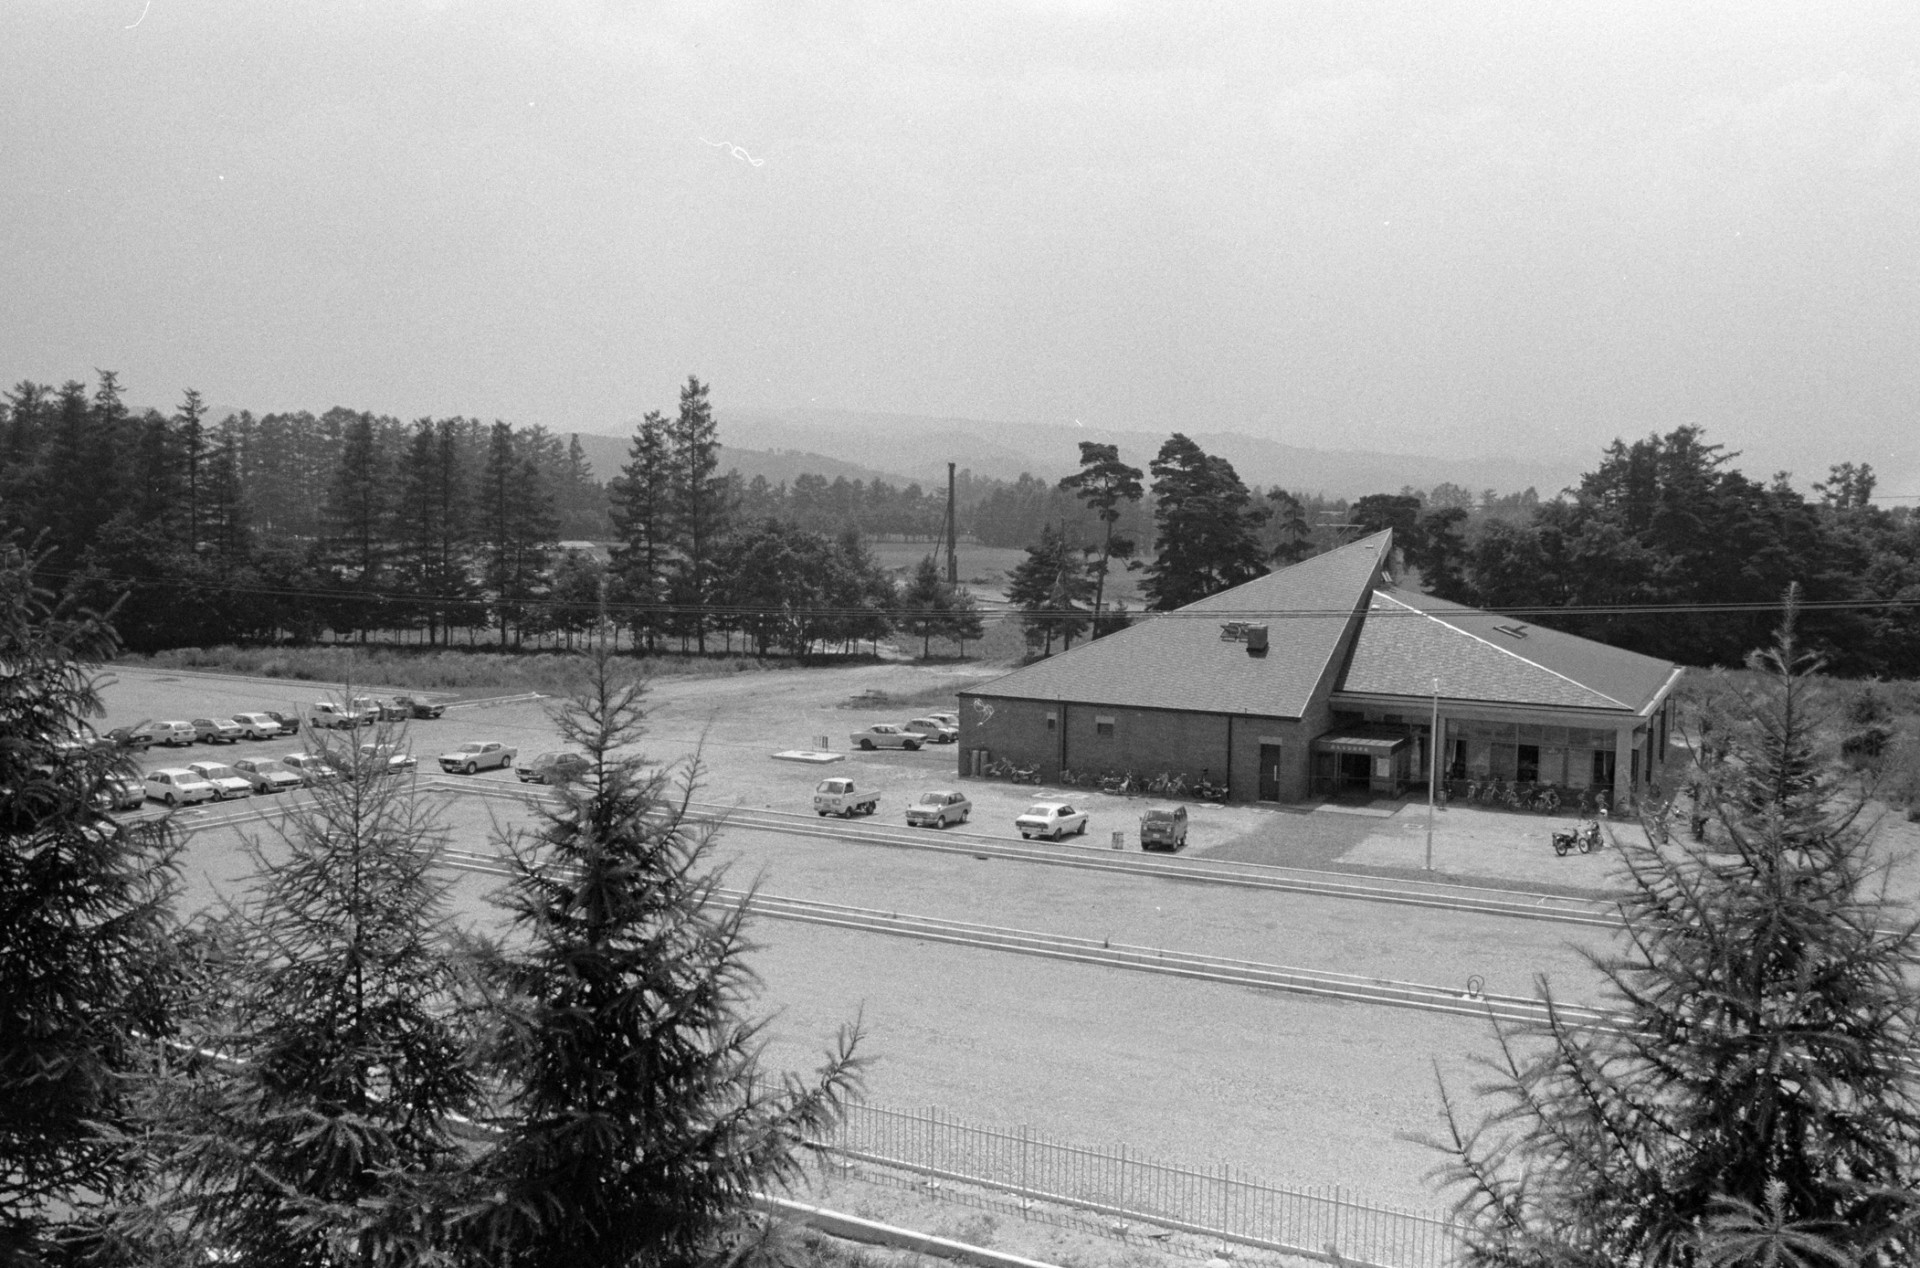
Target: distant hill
[[921, 447], [609, 453]]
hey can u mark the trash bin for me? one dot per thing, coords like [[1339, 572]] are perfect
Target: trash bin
[[820, 743], [1120, 840]]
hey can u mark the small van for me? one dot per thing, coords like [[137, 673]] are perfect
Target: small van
[[172, 734]]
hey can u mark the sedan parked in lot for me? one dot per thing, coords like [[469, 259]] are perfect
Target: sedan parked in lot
[[258, 726], [1054, 819], [418, 707], [267, 774], [178, 786], [938, 809], [886, 735], [477, 755], [934, 730], [225, 779], [217, 731], [951, 720], [552, 768], [397, 760], [310, 767], [172, 734], [137, 738], [119, 792], [289, 722]]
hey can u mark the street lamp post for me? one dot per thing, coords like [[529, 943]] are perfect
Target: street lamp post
[[1433, 769]]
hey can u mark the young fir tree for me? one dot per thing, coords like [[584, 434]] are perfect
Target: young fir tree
[[1046, 586], [85, 969], [319, 1132], [925, 603], [1756, 1102], [638, 1124]]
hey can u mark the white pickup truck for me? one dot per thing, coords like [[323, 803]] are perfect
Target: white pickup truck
[[840, 797]]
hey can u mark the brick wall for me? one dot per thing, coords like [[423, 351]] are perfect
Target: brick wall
[[1147, 742]]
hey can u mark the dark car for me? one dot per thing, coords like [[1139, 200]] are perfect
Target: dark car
[[552, 768], [419, 708], [139, 736], [289, 723], [1164, 828]]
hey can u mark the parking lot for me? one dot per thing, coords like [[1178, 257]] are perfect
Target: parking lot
[[1305, 1090]]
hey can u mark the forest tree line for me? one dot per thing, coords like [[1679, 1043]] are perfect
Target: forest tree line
[[287, 525], [1664, 548], [284, 527]]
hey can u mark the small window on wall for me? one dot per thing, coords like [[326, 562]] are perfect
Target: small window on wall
[[1053, 720], [1102, 725]]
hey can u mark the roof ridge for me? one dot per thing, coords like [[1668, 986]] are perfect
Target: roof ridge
[[1506, 651]]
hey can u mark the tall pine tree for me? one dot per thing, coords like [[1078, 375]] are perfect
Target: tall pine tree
[[702, 512], [1206, 528], [641, 507]]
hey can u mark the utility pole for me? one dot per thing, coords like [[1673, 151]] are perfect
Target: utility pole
[[953, 562]]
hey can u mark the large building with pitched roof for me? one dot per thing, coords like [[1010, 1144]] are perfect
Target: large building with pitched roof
[[1323, 678]]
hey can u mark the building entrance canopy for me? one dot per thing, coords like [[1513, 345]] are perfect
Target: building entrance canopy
[[1373, 741]]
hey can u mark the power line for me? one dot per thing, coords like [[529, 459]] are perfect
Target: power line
[[812, 612]]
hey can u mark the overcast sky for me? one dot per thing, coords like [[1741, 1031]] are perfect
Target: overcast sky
[[1424, 226]]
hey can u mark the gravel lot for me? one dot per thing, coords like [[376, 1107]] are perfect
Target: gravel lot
[[1298, 1089]]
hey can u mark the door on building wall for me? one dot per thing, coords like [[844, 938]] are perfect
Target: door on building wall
[[1603, 769], [1356, 772], [1526, 765], [1269, 772]]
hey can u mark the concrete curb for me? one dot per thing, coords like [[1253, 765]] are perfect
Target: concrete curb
[[869, 1232]]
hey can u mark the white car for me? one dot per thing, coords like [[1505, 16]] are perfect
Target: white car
[[174, 734], [228, 781], [938, 809], [934, 730], [1054, 819], [257, 726], [949, 720], [268, 775], [178, 786], [887, 735], [477, 755], [310, 767], [398, 760]]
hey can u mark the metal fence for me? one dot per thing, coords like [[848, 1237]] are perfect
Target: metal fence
[[1324, 1222]]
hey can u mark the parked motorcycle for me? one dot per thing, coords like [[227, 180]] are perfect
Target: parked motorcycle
[[1584, 837]]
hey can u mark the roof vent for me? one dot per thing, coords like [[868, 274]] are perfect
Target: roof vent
[[1512, 631], [1256, 640]]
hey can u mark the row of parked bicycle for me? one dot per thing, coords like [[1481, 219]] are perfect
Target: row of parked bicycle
[[1516, 795], [1169, 784]]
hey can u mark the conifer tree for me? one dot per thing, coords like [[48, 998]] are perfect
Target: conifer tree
[[702, 512], [357, 515], [321, 1133], [638, 1122], [1046, 587], [1758, 1088], [85, 923], [1205, 526], [924, 604], [1103, 483], [191, 437], [641, 507]]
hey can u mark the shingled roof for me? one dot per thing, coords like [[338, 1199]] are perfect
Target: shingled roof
[[1180, 660], [1409, 639]]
